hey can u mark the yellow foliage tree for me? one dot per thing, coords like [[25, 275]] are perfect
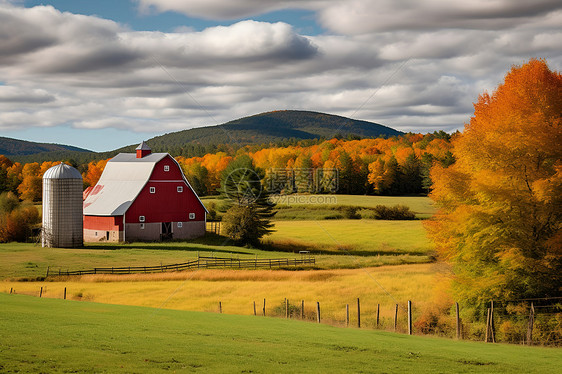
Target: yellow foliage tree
[[500, 217]]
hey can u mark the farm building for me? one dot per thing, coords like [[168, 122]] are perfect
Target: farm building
[[143, 196]]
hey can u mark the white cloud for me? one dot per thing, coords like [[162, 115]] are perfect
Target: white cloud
[[365, 16], [407, 67], [223, 10]]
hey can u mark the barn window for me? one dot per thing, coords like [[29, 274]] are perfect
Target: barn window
[[180, 188], [142, 226], [166, 167], [180, 224], [191, 215], [141, 219], [152, 189]]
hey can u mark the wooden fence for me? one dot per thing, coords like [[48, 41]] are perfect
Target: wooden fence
[[202, 262]]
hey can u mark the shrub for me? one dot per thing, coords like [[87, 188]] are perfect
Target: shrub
[[396, 212], [350, 212], [8, 202]]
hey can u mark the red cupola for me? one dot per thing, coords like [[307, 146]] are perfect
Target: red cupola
[[143, 150]]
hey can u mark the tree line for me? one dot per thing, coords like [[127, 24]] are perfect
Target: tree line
[[392, 166]]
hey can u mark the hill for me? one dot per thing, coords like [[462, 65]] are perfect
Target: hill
[[15, 147], [265, 128], [274, 127], [49, 335]]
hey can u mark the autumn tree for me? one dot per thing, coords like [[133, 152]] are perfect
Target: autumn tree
[[16, 219], [500, 217], [94, 172], [30, 187]]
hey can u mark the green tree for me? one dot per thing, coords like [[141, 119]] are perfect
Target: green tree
[[500, 217], [411, 176], [198, 177], [248, 218]]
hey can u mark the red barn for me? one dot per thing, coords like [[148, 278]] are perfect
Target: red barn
[[142, 196]]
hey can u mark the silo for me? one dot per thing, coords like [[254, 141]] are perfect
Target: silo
[[62, 207]]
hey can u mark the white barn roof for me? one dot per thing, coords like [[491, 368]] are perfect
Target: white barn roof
[[122, 180]]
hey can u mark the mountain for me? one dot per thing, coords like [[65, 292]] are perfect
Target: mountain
[[274, 127], [15, 147], [271, 127]]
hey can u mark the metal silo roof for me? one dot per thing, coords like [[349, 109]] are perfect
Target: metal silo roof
[[62, 171]]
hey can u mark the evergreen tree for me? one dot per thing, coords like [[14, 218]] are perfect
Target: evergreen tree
[[248, 217]]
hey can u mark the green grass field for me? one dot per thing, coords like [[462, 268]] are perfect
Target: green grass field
[[316, 207], [356, 236], [55, 336], [25, 260]]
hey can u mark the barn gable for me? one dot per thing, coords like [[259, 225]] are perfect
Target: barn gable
[[122, 180]]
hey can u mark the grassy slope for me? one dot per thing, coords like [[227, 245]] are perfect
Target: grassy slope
[[45, 335], [419, 204], [317, 207], [372, 236], [31, 260]]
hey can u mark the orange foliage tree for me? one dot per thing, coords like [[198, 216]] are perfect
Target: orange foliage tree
[[94, 171], [30, 187], [500, 217]]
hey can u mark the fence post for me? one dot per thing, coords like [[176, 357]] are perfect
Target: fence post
[[318, 311], [378, 311], [458, 321], [347, 315], [64, 295], [264, 307], [358, 313], [11, 289], [47, 272], [395, 316], [286, 308], [530, 326], [220, 307], [409, 317], [302, 309], [254, 307], [41, 292]]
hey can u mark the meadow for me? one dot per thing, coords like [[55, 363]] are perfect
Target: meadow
[[31, 261], [359, 237], [47, 335], [420, 204], [238, 289]]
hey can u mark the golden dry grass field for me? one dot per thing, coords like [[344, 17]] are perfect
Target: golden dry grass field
[[238, 289]]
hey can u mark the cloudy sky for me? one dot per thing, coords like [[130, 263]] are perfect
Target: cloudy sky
[[103, 74]]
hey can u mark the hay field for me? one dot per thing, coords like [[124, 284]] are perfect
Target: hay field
[[238, 289]]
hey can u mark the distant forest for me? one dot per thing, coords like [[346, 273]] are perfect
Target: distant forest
[[397, 165]]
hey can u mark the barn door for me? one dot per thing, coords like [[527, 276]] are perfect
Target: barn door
[[166, 230]]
